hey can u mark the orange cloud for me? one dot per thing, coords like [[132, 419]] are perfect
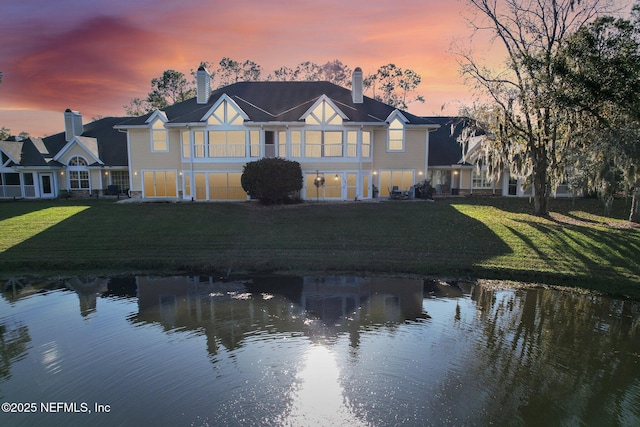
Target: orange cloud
[[100, 63]]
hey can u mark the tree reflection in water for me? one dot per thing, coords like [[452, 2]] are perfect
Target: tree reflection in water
[[335, 350]]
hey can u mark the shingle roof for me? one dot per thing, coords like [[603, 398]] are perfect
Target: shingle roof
[[99, 137], [281, 102], [111, 143], [444, 148]]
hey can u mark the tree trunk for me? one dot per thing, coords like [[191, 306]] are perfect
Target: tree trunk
[[540, 184], [634, 216]]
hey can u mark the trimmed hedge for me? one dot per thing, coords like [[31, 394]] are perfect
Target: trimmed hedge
[[272, 180]]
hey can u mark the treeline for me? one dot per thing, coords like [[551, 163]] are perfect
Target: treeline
[[390, 84]]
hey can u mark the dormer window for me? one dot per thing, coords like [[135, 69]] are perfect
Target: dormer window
[[159, 137], [395, 141]]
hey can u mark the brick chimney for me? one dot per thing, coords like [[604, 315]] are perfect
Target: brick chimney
[[203, 85], [72, 124], [357, 90]]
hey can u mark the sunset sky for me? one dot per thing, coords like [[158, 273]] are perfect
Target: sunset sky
[[94, 56]]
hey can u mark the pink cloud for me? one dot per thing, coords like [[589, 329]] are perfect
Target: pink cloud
[[97, 64]]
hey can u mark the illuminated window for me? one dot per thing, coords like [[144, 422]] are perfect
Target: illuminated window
[[323, 114], [396, 136], [254, 142], [227, 143], [198, 144], [159, 137], [366, 144], [186, 144], [403, 179], [352, 143], [313, 143], [282, 144], [332, 146], [159, 184], [296, 143], [229, 139], [225, 113], [78, 174]]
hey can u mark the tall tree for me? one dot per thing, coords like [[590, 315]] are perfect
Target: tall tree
[[392, 85], [530, 131], [230, 71], [171, 87], [601, 65]]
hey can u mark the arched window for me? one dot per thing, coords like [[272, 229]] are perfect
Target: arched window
[[78, 173]]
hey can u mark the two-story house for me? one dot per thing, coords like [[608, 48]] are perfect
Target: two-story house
[[196, 149]]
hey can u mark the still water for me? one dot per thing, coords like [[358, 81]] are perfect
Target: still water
[[301, 351]]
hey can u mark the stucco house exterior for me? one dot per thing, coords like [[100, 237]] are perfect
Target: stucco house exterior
[[196, 149]]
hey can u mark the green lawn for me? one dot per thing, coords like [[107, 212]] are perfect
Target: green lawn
[[467, 237]]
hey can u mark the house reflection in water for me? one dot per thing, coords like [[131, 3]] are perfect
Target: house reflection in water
[[320, 308], [88, 289]]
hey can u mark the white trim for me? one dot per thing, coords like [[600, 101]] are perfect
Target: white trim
[[157, 115], [224, 97], [321, 99], [70, 144], [397, 114]]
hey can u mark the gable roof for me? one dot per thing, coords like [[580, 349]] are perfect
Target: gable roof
[[25, 152], [99, 138], [110, 144], [265, 102]]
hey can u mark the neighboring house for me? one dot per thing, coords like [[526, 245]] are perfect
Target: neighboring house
[[82, 161]]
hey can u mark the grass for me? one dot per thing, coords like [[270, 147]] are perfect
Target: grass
[[494, 238]]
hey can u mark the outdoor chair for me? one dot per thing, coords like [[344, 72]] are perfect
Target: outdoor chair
[[395, 193]]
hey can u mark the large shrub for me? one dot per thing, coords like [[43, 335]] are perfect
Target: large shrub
[[272, 180]]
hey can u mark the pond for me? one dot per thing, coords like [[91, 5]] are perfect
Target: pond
[[302, 351]]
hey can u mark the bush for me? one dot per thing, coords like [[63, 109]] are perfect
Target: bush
[[272, 180]]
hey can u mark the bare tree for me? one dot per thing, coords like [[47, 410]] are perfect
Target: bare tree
[[528, 131]]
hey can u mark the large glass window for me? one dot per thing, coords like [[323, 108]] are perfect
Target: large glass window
[[296, 143], [402, 179], [313, 143], [332, 144], [323, 143], [160, 184], [227, 143], [226, 186], [396, 136]]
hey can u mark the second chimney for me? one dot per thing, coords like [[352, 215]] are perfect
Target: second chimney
[[203, 85], [357, 94], [72, 124]]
